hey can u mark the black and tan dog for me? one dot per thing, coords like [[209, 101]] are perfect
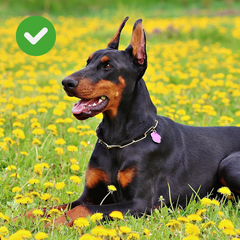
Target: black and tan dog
[[143, 155]]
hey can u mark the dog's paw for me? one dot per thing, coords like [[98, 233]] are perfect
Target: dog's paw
[[62, 220]]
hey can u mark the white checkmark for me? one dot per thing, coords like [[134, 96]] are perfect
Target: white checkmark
[[34, 40]]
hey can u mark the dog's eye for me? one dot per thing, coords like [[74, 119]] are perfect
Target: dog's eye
[[107, 66]]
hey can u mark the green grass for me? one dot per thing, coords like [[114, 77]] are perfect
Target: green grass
[[192, 76], [95, 8]]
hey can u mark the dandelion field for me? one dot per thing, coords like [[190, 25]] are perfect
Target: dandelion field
[[193, 78]]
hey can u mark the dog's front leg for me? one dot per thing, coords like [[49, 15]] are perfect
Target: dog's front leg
[[133, 207]]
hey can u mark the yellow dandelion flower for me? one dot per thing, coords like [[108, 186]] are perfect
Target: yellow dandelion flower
[[84, 143], [191, 237], [37, 212], [73, 160], [16, 189], [83, 127], [3, 231], [44, 165], [54, 213], [181, 112], [32, 112], [116, 214], [3, 145], [98, 231], [192, 229], [88, 237], [75, 179], [224, 191], [111, 232], [226, 223], [146, 232], [59, 120], [24, 153], [60, 141], [48, 184], [38, 169], [229, 231], [34, 181], [35, 141], [38, 131], [68, 120], [58, 112], [75, 167], [194, 217], [111, 188], [24, 200], [237, 231], [23, 234], [46, 196], [81, 222], [220, 214], [72, 148], [45, 220], [173, 224], [8, 140], [19, 133], [34, 120], [59, 150], [72, 130], [132, 236], [206, 201], [41, 235], [23, 116], [183, 219], [200, 212], [69, 193], [35, 125], [60, 185], [42, 110], [185, 118], [96, 217], [11, 167], [52, 127], [18, 196], [215, 202], [125, 230], [15, 175], [4, 217], [55, 200], [208, 224], [15, 236]]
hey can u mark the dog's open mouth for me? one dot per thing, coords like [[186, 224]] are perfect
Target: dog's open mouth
[[84, 109]]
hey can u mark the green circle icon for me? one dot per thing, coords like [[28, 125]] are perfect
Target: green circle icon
[[35, 35]]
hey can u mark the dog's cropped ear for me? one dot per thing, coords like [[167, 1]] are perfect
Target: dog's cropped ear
[[115, 40], [138, 43]]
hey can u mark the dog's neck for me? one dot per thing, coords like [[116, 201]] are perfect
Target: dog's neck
[[136, 113]]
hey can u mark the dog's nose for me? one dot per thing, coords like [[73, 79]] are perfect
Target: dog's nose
[[69, 83]]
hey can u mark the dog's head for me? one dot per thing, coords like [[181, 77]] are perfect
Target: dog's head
[[109, 74]]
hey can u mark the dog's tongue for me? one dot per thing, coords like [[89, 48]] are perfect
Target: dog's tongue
[[80, 106]]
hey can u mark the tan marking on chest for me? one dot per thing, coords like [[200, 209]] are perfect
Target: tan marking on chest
[[95, 176], [126, 176]]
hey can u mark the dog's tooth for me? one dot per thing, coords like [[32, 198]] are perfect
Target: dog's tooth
[[94, 104], [100, 100]]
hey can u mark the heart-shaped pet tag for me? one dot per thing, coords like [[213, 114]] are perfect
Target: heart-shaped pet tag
[[156, 137]]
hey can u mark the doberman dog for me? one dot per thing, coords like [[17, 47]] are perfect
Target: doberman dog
[[143, 155]]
